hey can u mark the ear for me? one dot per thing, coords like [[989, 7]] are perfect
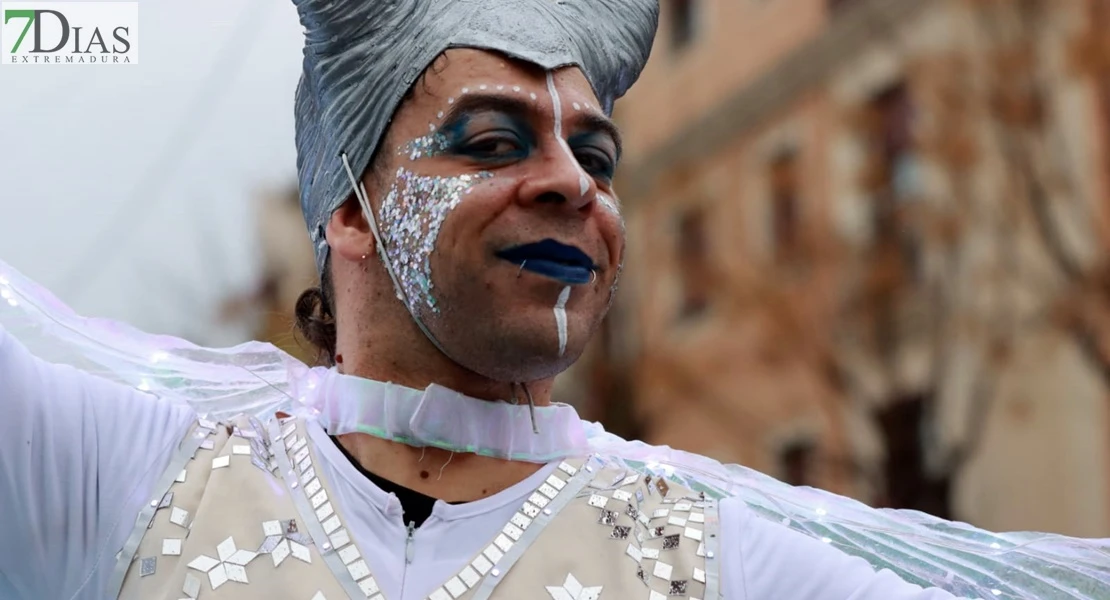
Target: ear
[[348, 232]]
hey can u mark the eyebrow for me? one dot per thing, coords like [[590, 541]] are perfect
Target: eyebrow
[[472, 102]]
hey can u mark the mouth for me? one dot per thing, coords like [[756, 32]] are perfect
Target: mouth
[[549, 258]]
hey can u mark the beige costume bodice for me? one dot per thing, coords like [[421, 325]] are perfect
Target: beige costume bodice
[[244, 514]]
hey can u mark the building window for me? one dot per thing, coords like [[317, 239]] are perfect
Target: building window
[[893, 180], [796, 461], [693, 262], [785, 217], [683, 23]]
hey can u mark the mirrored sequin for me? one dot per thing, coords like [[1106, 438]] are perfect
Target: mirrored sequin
[[455, 587], [493, 553], [503, 543], [340, 538], [358, 569], [331, 524], [272, 528], [280, 552], [598, 501], [512, 531], [694, 534], [683, 506], [324, 511], [567, 468], [349, 554], [521, 521], [179, 516], [678, 588], [530, 510], [699, 575], [556, 483], [634, 553], [697, 518], [676, 521], [171, 547], [319, 499], [482, 564], [439, 594], [312, 488], [302, 553], [147, 566], [622, 496], [469, 576], [620, 532], [662, 570], [269, 544], [241, 449], [607, 517], [221, 461], [663, 487], [191, 587], [368, 586], [651, 553]]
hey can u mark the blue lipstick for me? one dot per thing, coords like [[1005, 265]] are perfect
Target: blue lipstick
[[549, 258]]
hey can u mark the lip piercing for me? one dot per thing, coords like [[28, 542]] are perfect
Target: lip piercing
[[518, 273], [593, 277]]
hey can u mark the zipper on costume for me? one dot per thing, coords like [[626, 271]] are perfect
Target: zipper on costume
[[410, 544]]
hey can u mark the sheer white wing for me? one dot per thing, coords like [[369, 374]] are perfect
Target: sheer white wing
[[922, 549], [251, 378]]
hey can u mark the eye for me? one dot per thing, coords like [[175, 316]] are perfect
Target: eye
[[493, 146], [595, 161]]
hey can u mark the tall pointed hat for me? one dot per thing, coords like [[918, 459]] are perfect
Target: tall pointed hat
[[362, 56]]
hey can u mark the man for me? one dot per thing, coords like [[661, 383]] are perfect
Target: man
[[456, 165]]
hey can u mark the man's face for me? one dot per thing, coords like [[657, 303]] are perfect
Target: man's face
[[494, 199]]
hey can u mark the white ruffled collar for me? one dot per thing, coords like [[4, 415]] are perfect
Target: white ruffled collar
[[439, 417]]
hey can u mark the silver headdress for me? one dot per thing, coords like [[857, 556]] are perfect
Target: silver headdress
[[361, 58]]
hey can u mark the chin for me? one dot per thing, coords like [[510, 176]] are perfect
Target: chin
[[521, 353]]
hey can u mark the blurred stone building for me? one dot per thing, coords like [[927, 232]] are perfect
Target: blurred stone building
[[868, 252]]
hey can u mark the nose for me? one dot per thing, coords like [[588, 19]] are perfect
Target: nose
[[559, 179]]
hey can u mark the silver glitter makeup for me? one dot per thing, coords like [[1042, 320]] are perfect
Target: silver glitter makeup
[[411, 218], [426, 146]]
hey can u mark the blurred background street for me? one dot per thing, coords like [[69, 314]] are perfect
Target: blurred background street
[[869, 240]]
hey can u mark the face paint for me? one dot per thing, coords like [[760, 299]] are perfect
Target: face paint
[[561, 319], [583, 179], [412, 216], [424, 147]]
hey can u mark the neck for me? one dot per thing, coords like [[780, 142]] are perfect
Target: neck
[[447, 476]]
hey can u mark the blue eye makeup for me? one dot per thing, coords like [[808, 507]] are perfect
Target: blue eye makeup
[[596, 153], [490, 138]]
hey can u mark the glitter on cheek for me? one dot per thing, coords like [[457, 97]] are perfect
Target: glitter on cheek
[[412, 215], [426, 146]]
